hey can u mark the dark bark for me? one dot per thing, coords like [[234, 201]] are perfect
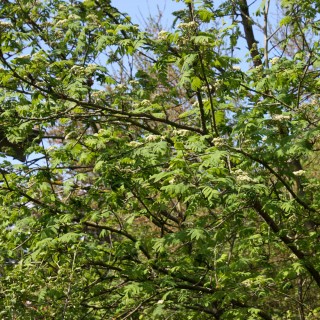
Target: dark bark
[[249, 34], [17, 149], [288, 242]]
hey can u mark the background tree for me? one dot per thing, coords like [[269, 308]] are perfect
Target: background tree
[[175, 177]]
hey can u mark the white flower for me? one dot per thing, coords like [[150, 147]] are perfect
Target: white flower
[[181, 132], [218, 141], [133, 82], [145, 103], [195, 104], [91, 68], [121, 86], [100, 94], [163, 35], [61, 22], [280, 117], [160, 302], [40, 83], [24, 56], [135, 144], [236, 68], [5, 24], [188, 25], [299, 173], [92, 17], [75, 67], [274, 60], [244, 178], [73, 17], [152, 137], [217, 84]]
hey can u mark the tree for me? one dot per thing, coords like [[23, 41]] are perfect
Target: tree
[[168, 176]]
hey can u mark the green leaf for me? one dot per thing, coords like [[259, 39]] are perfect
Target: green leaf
[[196, 234]]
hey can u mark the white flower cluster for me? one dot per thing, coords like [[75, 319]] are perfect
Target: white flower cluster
[[299, 173], [274, 60], [196, 104], [218, 141], [236, 68], [242, 176], [163, 35], [73, 17], [188, 25], [135, 144], [153, 137], [134, 82], [218, 83], [99, 94], [77, 70], [93, 18], [145, 103], [75, 67], [180, 132], [5, 24], [91, 68], [121, 86], [24, 56], [61, 22], [280, 117]]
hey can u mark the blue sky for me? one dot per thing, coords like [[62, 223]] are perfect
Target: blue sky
[[143, 8]]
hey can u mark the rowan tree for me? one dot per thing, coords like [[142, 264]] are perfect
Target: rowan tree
[[163, 174]]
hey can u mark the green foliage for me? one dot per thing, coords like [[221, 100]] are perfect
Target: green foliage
[[162, 174]]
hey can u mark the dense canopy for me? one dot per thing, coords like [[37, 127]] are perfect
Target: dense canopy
[[160, 173]]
